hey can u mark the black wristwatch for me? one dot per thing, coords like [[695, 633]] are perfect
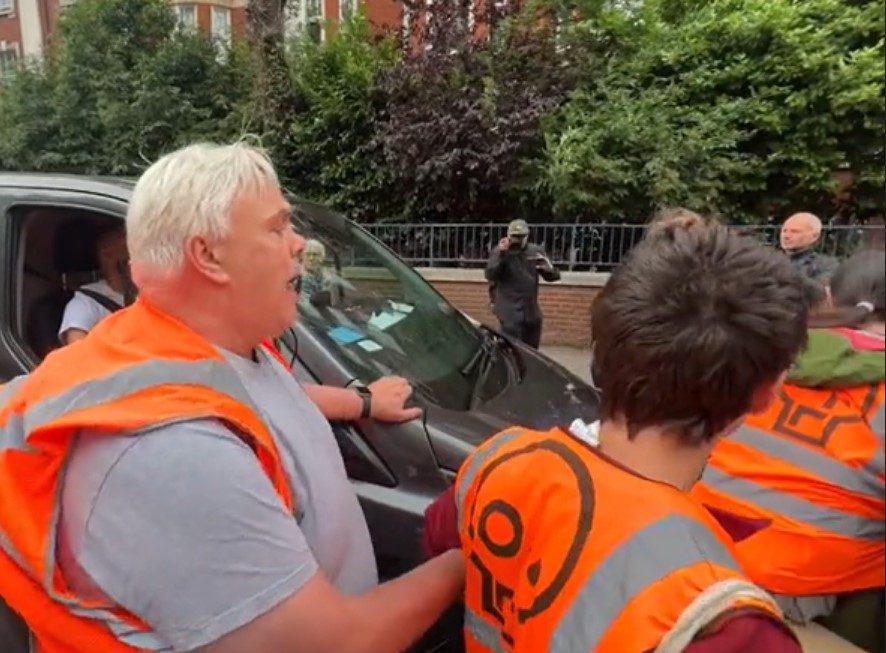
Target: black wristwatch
[[366, 395]]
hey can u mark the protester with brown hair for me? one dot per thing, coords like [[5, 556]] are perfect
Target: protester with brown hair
[[577, 545], [812, 467]]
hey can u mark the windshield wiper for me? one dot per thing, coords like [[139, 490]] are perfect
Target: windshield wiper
[[489, 344], [483, 361]]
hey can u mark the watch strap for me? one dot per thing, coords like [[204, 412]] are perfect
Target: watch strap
[[366, 396]]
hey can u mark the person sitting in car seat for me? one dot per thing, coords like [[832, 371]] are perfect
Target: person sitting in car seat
[[95, 301], [315, 278]]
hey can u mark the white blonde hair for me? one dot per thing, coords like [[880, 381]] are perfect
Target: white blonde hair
[[188, 193], [812, 220]]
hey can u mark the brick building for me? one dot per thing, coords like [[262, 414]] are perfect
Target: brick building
[[26, 26]]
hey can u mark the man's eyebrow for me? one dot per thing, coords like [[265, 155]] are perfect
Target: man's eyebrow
[[283, 215]]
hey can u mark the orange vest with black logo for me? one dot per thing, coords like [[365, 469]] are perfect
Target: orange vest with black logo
[[812, 466], [136, 370], [569, 553]]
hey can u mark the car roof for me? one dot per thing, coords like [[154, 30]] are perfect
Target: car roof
[[120, 187]]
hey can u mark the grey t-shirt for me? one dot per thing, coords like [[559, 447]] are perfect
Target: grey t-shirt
[[181, 526]]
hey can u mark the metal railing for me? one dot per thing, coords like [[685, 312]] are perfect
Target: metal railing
[[585, 247]]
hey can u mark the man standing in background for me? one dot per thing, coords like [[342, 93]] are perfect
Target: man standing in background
[[513, 270], [799, 236]]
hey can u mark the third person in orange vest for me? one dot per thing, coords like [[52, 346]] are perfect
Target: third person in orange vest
[[585, 540], [811, 466]]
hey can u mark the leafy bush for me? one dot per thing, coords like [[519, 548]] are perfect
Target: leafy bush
[[120, 87]]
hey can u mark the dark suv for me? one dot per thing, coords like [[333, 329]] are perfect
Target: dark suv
[[374, 316]]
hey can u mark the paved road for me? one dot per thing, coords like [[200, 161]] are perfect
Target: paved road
[[575, 360]]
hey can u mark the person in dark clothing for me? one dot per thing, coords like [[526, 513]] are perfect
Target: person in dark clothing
[[513, 270], [799, 236]]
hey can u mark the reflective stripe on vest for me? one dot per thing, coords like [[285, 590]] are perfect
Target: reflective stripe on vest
[[215, 375], [645, 558], [616, 584], [815, 461], [878, 423]]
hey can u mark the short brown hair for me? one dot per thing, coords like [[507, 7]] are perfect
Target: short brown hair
[[676, 217], [690, 326]]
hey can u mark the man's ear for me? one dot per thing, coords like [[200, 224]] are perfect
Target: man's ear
[[206, 259], [765, 395]]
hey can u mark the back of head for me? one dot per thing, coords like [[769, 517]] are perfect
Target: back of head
[[676, 218], [857, 292], [692, 326], [187, 193]]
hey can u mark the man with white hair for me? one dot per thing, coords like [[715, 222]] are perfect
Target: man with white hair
[[166, 484], [800, 234]]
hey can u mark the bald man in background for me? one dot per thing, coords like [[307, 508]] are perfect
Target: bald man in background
[[799, 236]]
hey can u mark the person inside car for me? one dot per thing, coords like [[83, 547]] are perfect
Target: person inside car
[[167, 484], [588, 540], [812, 467], [93, 302]]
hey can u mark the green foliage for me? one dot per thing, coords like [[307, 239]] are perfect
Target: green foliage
[[120, 87], [742, 106], [328, 149], [573, 110], [463, 115]]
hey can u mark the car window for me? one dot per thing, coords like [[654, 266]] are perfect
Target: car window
[[377, 315]]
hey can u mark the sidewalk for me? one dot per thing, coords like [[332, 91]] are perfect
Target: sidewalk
[[573, 359]]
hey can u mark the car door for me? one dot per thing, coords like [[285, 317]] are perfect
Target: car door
[[15, 358], [391, 466]]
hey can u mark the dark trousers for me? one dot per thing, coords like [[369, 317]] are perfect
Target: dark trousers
[[528, 332]]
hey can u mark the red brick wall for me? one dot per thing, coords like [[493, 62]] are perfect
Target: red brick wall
[[10, 30], [566, 305]]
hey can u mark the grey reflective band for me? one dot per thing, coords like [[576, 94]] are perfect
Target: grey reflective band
[[484, 632], [477, 461], [865, 481], [800, 510], [647, 557], [669, 544], [816, 461], [215, 375], [878, 423]]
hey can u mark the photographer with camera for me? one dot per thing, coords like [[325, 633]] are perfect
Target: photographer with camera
[[513, 270]]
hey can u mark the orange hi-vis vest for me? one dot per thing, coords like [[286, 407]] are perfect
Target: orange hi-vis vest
[[136, 370], [812, 465], [569, 553]]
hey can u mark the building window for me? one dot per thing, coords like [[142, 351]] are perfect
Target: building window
[[8, 59], [7, 7], [221, 25], [186, 17], [305, 18], [346, 9]]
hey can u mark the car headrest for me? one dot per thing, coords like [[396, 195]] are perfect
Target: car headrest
[[74, 246]]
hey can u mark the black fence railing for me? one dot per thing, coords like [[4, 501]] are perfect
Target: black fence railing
[[585, 247]]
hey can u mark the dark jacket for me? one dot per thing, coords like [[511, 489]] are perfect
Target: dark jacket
[[513, 278], [814, 265]]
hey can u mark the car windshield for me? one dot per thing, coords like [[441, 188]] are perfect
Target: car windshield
[[380, 317]]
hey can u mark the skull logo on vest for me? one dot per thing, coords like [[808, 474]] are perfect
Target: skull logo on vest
[[498, 532]]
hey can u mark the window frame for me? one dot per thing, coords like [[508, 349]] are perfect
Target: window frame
[[7, 47], [180, 11], [227, 37]]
